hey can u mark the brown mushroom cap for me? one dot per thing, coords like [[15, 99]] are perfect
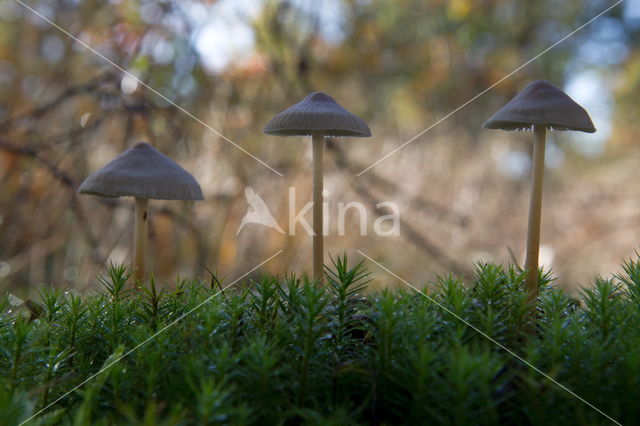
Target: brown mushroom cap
[[541, 103], [317, 112], [143, 172]]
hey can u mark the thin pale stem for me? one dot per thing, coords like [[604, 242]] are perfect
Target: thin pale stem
[[141, 235], [318, 237], [535, 214]]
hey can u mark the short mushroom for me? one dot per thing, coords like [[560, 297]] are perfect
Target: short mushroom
[[317, 115], [142, 172], [538, 107]]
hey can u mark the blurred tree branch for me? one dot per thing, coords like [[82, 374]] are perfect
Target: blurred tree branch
[[408, 231], [70, 93]]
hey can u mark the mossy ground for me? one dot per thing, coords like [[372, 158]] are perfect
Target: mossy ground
[[282, 350]]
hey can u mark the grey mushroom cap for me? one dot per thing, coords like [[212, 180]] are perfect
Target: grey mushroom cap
[[317, 112], [143, 172], [541, 103]]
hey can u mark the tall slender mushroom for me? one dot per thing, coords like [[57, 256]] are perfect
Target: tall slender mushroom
[[142, 172], [538, 107], [317, 115]]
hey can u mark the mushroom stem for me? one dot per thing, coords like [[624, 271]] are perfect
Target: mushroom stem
[[318, 249], [141, 235], [535, 212]]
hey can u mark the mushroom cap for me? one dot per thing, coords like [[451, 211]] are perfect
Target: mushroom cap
[[317, 112], [143, 172], [541, 103]]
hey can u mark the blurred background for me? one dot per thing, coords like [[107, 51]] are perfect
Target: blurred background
[[401, 65]]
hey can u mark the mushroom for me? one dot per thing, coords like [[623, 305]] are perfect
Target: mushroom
[[317, 115], [538, 107], [142, 172]]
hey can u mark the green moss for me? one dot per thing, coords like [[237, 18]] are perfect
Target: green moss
[[286, 351]]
